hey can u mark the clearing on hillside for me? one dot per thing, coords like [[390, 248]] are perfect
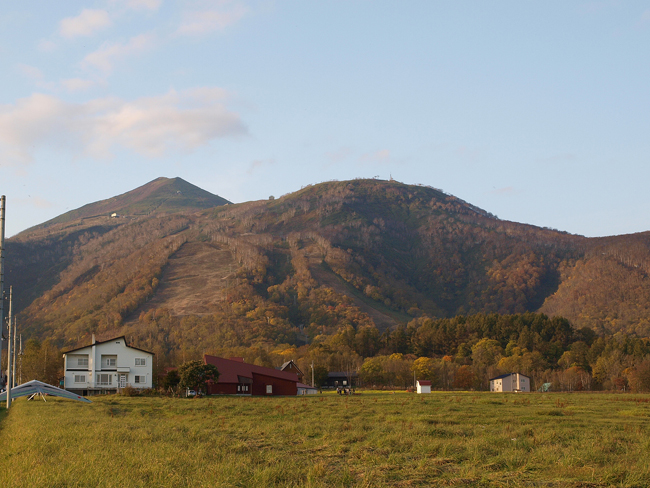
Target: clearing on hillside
[[194, 280]]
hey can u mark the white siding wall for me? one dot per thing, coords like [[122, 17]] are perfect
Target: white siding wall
[[513, 382]]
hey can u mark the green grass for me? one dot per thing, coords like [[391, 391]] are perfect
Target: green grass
[[372, 439]]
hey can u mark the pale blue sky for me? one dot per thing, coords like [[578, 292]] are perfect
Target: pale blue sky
[[538, 112]]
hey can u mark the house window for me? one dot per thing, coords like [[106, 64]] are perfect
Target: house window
[[82, 362], [109, 361], [140, 361], [140, 379], [104, 380], [79, 378]]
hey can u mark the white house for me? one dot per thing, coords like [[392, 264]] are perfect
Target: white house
[[105, 366], [424, 386], [510, 382]]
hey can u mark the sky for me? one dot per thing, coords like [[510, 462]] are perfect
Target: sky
[[538, 112]]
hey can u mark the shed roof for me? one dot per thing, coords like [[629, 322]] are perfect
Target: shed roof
[[230, 371], [342, 374], [307, 387], [506, 375], [424, 382]]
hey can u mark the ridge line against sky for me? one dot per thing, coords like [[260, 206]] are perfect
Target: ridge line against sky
[[538, 112]]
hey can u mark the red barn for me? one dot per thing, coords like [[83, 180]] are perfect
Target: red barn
[[239, 378]]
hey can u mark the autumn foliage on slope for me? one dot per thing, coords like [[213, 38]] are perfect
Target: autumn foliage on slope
[[405, 251]]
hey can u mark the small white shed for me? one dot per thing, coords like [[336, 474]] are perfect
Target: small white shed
[[424, 386]]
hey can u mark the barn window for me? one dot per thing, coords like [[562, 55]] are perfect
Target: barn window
[[269, 389]]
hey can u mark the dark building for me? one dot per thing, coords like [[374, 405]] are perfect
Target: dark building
[[341, 379], [239, 378]]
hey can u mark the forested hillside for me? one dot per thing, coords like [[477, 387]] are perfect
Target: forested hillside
[[366, 256]]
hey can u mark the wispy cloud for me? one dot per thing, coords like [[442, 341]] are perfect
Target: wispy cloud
[[85, 24], [339, 155], [30, 72], [35, 201], [215, 19], [35, 75], [506, 190], [153, 126], [77, 84], [258, 163], [378, 157], [467, 153], [106, 56], [138, 4], [558, 158], [645, 17], [46, 45]]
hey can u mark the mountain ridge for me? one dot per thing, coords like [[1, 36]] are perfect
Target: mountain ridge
[[366, 254]]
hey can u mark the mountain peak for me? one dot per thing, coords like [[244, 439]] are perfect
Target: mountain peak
[[162, 195]]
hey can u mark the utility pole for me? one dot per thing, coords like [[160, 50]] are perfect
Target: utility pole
[[11, 299], [20, 361], [13, 361], [2, 273], [312, 374]]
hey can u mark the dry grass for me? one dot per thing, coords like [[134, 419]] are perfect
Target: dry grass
[[373, 439]]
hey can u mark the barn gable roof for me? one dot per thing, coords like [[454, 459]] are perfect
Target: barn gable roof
[[234, 371], [289, 363]]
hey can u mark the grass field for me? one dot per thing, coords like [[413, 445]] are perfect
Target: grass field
[[371, 439]]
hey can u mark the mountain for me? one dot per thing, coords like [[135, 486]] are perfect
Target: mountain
[[162, 195], [364, 256]]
